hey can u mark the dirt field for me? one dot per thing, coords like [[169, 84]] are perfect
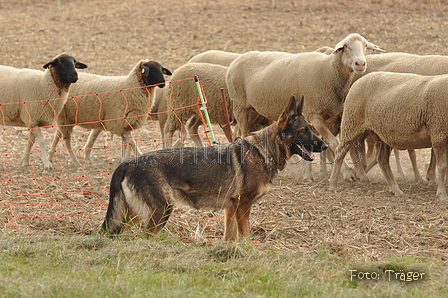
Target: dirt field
[[360, 221]]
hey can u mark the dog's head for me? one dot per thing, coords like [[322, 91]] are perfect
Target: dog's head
[[296, 133]]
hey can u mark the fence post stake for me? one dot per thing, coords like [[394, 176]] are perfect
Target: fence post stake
[[204, 108]]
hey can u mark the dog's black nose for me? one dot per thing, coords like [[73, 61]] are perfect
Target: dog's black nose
[[324, 146]]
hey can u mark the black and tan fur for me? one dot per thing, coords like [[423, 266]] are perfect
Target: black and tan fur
[[230, 177]]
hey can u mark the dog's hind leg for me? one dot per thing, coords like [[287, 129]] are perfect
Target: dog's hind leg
[[115, 216], [158, 220]]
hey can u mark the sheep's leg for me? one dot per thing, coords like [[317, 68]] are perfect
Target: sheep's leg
[[68, 145], [440, 156], [242, 118], [57, 137], [90, 141], [323, 163], [65, 133], [41, 142], [125, 144], [132, 147], [362, 150], [357, 156], [431, 173], [333, 143], [383, 162], [26, 157], [308, 176], [341, 151], [192, 129], [413, 158], [371, 151], [169, 129], [376, 146], [399, 167]]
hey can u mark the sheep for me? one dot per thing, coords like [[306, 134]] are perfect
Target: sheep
[[40, 96], [160, 105], [403, 111], [256, 77], [183, 92], [92, 105], [428, 65], [215, 57]]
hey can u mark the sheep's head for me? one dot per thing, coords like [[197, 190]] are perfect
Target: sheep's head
[[297, 134], [63, 69], [152, 74], [354, 48]]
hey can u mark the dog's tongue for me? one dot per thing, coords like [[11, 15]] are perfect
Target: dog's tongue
[[310, 154]]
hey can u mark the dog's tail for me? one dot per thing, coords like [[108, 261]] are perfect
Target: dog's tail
[[117, 210]]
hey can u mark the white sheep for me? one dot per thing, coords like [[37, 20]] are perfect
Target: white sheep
[[256, 78], [215, 57], [403, 111], [182, 91], [407, 63], [39, 97], [118, 104]]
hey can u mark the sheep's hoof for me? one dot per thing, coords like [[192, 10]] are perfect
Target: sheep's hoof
[[350, 178], [48, 167], [75, 165], [308, 179], [349, 175], [442, 195], [397, 192], [420, 180], [333, 184], [363, 177], [431, 180]]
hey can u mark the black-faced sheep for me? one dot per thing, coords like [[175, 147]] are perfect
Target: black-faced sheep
[[403, 111], [40, 97], [118, 104], [256, 77]]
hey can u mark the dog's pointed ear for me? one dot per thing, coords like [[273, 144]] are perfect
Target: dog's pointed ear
[[299, 108], [288, 111]]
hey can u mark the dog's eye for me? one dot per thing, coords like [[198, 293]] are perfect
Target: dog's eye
[[304, 130]]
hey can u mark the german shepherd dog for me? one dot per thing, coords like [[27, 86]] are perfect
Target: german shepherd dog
[[230, 177]]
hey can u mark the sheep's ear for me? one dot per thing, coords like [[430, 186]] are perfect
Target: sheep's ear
[[371, 46], [166, 71], [80, 65], [338, 48], [50, 64]]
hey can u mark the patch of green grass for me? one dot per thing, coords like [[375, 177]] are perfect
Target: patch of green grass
[[96, 266]]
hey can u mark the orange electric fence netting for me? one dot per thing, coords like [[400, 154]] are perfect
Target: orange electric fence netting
[[74, 199], [220, 4]]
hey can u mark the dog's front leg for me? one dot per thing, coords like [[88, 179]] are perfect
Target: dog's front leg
[[242, 217], [230, 223]]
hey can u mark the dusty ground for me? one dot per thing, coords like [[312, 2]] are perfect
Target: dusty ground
[[360, 220]]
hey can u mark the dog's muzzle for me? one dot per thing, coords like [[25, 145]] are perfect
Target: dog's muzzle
[[307, 153]]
